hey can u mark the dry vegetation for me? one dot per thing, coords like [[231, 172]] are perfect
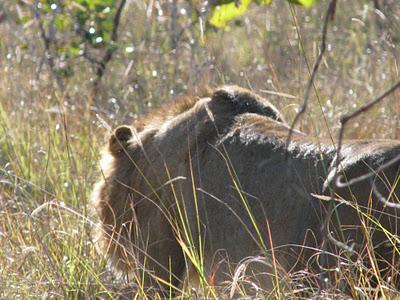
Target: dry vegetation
[[50, 141]]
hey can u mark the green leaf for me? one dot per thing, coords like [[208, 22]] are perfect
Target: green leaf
[[227, 10], [305, 3], [62, 22], [222, 14], [25, 19], [263, 2], [74, 51]]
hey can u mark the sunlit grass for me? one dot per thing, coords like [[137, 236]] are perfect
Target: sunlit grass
[[45, 222]]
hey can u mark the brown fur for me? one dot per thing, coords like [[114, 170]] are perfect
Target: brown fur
[[219, 158]]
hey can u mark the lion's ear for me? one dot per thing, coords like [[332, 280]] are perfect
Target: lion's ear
[[119, 140], [244, 101], [225, 93]]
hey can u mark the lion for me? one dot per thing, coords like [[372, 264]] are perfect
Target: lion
[[209, 182]]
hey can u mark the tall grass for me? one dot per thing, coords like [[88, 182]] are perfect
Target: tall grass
[[49, 167], [50, 142]]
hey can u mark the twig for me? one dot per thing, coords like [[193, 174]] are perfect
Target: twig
[[47, 41], [343, 121], [175, 36], [91, 59], [330, 13], [174, 29], [102, 64], [377, 5], [343, 184], [347, 117], [85, 53], [382, 199]]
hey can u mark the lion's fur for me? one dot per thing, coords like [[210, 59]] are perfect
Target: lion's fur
[[218, 158]]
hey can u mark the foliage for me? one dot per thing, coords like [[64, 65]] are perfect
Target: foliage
[[225, 11], [74, 28]]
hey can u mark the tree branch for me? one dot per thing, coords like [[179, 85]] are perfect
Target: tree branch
[[102, 64], [343, 121], [47, 41], [330, 13]]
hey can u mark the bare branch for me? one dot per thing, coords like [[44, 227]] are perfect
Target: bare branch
[[91, 59], [85, 53], [102, 64], [382, 199], [47, 41], [347, 117], [342, 184], [343, 121], [175, 36], [330, 13]]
